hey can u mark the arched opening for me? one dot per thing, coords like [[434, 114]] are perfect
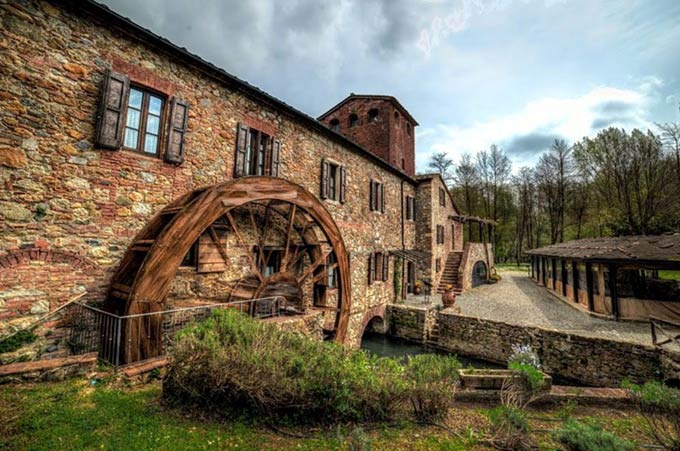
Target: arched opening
[[283, 238], [373, 115], [479, 274], [408, 129], [353, 120], [335, 124]]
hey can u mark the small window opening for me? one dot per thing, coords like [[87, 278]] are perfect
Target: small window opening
[[335, 124], [353, 120], [373, 115]]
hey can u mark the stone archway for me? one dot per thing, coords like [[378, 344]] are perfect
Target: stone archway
[[143, 279], [480, 274]]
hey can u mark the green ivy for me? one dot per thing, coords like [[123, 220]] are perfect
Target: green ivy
[[14, 342]]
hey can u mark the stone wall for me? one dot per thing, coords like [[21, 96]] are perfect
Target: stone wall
[[410, 322], [62, 191], [588, 360]]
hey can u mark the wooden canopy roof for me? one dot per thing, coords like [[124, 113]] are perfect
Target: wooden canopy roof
[[651, 248]]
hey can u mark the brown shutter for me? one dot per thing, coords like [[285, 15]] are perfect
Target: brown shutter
[[324, 179], [179, 115], [209, 258], [343, 183], [413, 208], [386, 267], [372, 196], [370, 269], [276, 155], [382, 198], [111, 115], [242, 143]]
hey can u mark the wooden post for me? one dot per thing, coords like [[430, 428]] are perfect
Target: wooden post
[[613, 291], [543, 272], [564, 277], [575, 277], [533, 262], [553, 262], [589, 286], [481, 232]]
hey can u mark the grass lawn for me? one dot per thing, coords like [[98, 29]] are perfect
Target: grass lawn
[[76, 415], [513, 266], [670, 275]]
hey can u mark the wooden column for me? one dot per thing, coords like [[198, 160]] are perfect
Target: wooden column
[[553, 264], [575, 278], [613, 291], [589, 286], [533, 263], [543, 272], [564, 276]]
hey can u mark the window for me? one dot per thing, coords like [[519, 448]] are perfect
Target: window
[[333, 181], [137, 119], [440, 234], [271, 263], [332, 270], [335, 124], [442, 197], [396, 118], [373, 115], [438, 265], [377, 196], [143, 122], [378, 267], [410, 208], [353, 120], [189, 259], [257, 153], [408, 129]]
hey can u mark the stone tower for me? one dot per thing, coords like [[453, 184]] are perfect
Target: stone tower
[[380, 124]]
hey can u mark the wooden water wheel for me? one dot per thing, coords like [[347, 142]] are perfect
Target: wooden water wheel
[[285, 236]]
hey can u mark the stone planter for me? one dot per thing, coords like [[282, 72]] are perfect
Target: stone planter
[[448, 299], [483, 379]]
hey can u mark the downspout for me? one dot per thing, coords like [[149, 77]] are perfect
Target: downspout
[[403, 241]]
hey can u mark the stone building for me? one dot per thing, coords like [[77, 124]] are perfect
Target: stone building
[[110, 133]]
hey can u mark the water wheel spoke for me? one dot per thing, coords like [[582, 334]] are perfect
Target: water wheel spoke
[[324, 274], [291, 220], [321, 260], [216, 240], [253, 266]]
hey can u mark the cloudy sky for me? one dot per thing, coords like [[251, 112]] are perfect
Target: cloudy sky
[[517, 73]]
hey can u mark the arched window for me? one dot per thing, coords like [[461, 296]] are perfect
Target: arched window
[[408, 129], [373, 115], [396, 118], [335, 124], [353, 120]]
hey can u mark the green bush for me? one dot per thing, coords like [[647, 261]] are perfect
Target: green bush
[[16, 341], [577, 436], [434, 379], [509, 428], [660, 405], [234, 364]]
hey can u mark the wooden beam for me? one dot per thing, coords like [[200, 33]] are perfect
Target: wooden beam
[[589, 286], [613, 291], [575, 277]]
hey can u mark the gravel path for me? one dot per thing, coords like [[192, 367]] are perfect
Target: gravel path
[[516, 299]]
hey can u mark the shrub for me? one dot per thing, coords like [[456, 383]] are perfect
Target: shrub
[[577, 436], [509, 428], [527, 382], [234, 364], [16, 341], [434, 379], [660, 405]]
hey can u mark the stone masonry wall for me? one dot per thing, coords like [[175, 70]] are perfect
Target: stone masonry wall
[[473, 253], [62, 191]]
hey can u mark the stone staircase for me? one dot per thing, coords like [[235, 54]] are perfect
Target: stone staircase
[[450, 274]]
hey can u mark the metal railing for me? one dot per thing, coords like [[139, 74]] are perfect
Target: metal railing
[[121, 340]]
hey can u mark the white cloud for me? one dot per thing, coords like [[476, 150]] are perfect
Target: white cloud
[[568, 118]]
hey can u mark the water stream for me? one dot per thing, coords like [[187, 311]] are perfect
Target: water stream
[[387, 346]]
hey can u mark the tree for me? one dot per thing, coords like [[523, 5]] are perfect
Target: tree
[[670, 137], [554, 171], [443, 165], [629, 174], [467, 178], [494, 168]]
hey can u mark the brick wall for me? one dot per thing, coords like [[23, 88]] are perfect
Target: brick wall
[[59, 188]]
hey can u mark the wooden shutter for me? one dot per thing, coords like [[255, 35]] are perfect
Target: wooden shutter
[[371, 196], [242, 143], [382, 198], [111, 114], [275, 158], [324, 179], [413, 208], [370, 269], [179, 115], [343, 184], [210, 258], [386, 266]]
